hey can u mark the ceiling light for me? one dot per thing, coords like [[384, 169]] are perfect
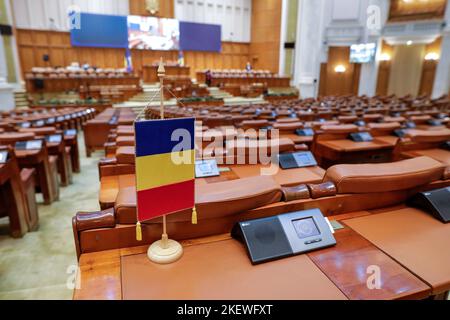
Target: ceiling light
[[409, 42]]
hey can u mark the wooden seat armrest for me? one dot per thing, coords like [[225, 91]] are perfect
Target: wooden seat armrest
[[107, 161], [95, 220], [295, 193], [327, 189]]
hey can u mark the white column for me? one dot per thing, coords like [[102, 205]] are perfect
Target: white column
[[284, 22], [369, 75], [308, 47], [378, 11], [7, 89], [442, 78]]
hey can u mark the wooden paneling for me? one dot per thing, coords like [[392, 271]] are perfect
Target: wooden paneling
[[416, 10], [266, 28], [427, 79], [429, 69], [166, 8], [384, 71], [332, 83], [34, 44]]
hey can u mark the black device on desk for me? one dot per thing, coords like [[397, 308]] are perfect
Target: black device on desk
[[446, 145], [285, 235], [296, 160], [29, 145], [360, 123], [361, 137], [410, 125], [206, 168], [435, 202], [400, 133], [54, 138], [3, 156], [434, 122], [307, 132], [25, 125]]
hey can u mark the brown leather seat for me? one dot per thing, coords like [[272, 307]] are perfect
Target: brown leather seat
[[344, 128], [125, 141], [383, 128], [369, 178], [212, 200], [125, 155], [429, 135], [40, 131]]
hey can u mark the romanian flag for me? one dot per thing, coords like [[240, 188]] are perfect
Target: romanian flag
[[165, 166]]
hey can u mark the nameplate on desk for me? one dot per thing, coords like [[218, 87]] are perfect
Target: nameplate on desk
[[54, 138], [3, 156], [67, 117], [297, 160], [70, 132], [60, 118], [73, 115], [305, 132], [25, 125], [29, 145], [285, 235], [206, 168], [435, 202], [361, 137]]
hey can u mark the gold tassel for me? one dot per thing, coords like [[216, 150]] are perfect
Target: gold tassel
[[194, 216], [138, 231]]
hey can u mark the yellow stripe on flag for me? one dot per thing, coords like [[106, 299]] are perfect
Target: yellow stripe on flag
[[161, 169]]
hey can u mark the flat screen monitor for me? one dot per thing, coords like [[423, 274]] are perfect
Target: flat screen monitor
[[363, 53], [101, 31], [150, 33]]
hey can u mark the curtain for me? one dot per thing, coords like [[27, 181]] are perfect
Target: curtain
[[406, 70]]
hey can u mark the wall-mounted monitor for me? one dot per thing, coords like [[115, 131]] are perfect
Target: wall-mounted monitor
[[200, 37], [150, 33], [101, 31], [363, 53]]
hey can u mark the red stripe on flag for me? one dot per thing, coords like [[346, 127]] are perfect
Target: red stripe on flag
[[157, 202]]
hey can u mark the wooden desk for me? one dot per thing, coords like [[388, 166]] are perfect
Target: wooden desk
[[13, 201], [150, 72], [415, 239], [335, 273], [64, 161], [47, 178], [330, 152], [68, 84]]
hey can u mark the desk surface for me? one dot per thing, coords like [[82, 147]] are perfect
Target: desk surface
[[345, 145], [413, 238], [339, 272]]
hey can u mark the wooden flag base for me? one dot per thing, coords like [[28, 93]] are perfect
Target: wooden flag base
[[165, 254]]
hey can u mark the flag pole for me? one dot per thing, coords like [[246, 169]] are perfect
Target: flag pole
[[161, 75]]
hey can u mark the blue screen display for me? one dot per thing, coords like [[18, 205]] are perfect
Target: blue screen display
[[200, 37], [103, 31]]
